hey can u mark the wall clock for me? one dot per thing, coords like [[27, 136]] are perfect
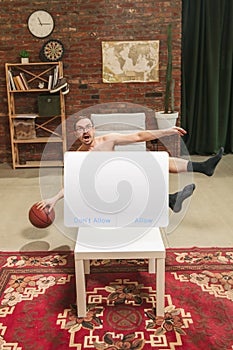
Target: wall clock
[[52, 51], [40, 23]]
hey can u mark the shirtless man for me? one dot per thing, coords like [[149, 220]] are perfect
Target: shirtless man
[[85, 133]]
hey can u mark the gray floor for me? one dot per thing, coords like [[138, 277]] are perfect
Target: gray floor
[[205, 221]]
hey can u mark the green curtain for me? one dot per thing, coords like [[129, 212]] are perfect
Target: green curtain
[[207, 75]]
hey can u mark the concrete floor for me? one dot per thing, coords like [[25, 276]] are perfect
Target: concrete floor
[[205, 221]]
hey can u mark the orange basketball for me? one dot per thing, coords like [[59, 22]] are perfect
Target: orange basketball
[[41, 218]]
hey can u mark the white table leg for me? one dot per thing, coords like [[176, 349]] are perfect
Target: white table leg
[[160, 286], [87, 269], [80, 288], [151, 265]]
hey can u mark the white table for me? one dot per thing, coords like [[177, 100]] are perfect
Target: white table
[[94, 243]]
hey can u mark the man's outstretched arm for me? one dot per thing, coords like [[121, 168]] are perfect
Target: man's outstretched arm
[[147, 135]]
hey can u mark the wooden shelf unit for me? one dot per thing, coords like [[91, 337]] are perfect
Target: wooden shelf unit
[[34, 73]]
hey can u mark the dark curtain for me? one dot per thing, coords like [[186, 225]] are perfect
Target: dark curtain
[[207, 75]]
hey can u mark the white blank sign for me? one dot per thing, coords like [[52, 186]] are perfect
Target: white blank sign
[[116, 189]]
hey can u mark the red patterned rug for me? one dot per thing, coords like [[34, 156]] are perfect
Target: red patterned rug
[[38, 311]]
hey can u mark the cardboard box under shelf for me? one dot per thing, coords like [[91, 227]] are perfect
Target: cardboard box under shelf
[[24, 128], [49, 105]]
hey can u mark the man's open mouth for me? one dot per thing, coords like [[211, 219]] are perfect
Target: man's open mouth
[[86, 137]]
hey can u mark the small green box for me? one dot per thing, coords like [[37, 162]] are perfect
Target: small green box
[[49, 105]]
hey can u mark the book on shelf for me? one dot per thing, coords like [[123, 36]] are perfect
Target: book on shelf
[[55, 76], [20, 82], [50, 82], [24, 80], [16, 83], [11, 81]]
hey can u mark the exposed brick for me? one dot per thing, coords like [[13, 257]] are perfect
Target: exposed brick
[[153, 94], [82, 26], [83, 86]]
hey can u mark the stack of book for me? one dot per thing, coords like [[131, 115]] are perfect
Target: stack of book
[[18, 82], [53, 78]]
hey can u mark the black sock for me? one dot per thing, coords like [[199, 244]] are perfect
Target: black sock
[[208, 166], [176, 199]]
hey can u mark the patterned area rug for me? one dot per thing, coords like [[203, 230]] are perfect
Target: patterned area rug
[[38, 311]]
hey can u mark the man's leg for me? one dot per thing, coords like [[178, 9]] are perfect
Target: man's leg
[[176, 199], [178, 165]]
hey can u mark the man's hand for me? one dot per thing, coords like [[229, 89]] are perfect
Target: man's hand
[[175, 130], [49, 203]]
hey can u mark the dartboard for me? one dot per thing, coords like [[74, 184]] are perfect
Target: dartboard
[[52, 50]]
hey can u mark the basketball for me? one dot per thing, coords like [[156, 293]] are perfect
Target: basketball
[[41, 218]]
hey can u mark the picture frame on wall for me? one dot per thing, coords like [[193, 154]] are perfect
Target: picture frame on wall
[[130, 61]]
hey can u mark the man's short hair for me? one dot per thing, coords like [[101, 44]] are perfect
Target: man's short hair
[[81, 118]]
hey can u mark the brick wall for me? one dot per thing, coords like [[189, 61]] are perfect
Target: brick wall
[[82, 25]]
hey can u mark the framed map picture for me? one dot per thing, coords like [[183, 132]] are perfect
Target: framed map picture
[[130, 61]]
